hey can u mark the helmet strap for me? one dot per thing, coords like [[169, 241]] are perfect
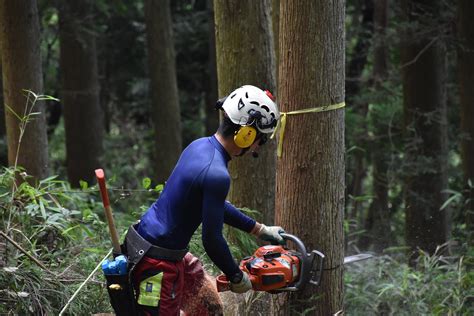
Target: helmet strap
[[243, 151]]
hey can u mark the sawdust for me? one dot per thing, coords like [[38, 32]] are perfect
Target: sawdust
[[209, 302], [205, 302], [249, 304]]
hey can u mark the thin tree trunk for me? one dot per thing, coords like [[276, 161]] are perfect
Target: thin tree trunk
[[3, 131], [22, 69], [3, 156], [83, 117], [354, 83], [212, 116], [378, 218], [310, 173], [163, 88], [245, 55], [466, 93], [423, 73]]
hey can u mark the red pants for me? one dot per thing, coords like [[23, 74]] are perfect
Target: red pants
[[165, 287]]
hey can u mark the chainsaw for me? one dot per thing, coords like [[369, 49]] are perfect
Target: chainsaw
[[277, 269]]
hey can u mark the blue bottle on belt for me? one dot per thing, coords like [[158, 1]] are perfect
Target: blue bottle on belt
[[117, 266]]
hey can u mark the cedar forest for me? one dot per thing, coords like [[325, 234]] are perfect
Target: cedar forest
[[126, 85]]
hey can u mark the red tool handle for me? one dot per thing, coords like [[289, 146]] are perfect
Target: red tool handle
[[224, 285], [100, 175]]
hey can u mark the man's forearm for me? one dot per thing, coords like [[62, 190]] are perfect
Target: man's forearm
[[256, 229], [235, 218]]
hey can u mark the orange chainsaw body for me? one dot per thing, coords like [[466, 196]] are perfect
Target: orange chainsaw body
[[276, 269], [271, 267]]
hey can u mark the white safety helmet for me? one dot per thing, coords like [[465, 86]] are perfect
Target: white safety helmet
[[249, 105]]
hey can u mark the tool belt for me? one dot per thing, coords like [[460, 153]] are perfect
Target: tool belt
[[135, 247]]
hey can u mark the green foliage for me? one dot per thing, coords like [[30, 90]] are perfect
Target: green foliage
[[28, 291], [60, 227], [385, 286], [65, 230]]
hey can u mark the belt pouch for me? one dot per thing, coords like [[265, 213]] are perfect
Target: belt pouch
[[120, 287], [121, 294]]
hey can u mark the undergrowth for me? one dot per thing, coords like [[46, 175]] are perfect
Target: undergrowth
[[438, 285], [65, 229], [60, 227]]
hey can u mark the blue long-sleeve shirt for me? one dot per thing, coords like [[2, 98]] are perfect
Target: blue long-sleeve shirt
[[196, 193]]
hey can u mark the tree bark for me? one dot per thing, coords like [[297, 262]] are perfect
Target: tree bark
[[83, 117], [310, 173], [466, 94], [245, 55], [22, 69], [423, 74], [276, 34], [164, 90]]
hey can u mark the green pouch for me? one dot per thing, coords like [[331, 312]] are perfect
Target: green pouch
[[150, 290]]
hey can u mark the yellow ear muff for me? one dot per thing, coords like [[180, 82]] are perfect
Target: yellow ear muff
[[245, 136]]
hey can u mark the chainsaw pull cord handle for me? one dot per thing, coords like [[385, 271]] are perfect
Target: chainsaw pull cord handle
[[223, 284], [100, 175]]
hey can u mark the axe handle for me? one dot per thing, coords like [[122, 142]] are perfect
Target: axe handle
[[100, 175]]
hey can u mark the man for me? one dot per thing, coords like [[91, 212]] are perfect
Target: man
[[195, 194]]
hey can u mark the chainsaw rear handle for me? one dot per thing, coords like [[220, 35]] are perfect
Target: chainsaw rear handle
[[224, 285]]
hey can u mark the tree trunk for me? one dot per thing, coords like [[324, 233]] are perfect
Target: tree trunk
[[310, 173], [245, 55], [466, 93], [276, 34], [212, 116], [20, 38], [378, 218], [3, 135], [423, 75], [2, 117], [357, 166], [83, 117], [163, 88]]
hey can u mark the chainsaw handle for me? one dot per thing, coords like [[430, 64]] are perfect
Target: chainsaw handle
[[305, 268], [223, 284], [299, 244], [100, 175], [307, 260]]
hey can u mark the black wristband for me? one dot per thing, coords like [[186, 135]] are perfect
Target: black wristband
[[236, 278]]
